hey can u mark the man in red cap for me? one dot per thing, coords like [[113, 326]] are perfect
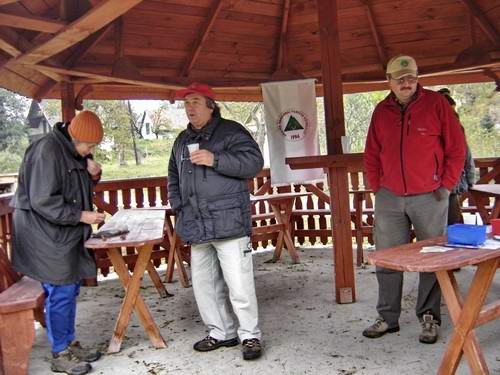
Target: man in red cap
[[52, 219], [207, 188], [413, 158]]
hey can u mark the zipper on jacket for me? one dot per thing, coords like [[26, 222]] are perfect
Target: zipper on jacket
[[204, 173], [409, 124], [436, 172], [403, 110]]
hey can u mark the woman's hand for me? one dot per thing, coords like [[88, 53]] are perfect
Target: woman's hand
[[92, 217]]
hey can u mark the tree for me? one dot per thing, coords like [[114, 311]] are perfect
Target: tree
[[12, 120], [13, 130], [161, 124], [116, 122], [486, 122]]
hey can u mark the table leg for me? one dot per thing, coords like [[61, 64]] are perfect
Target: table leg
[[283, 218], [153, 274], [133, 299], [464, 317], [183, 277], [174, 256], [479, 199]]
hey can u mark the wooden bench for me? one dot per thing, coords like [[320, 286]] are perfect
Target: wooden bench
[[21, 302]]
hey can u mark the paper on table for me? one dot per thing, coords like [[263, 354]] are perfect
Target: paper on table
[[435, 249], [489, 244]]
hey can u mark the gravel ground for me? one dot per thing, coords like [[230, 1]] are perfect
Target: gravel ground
[[304, 330]]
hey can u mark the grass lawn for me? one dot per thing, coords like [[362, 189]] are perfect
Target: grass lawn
[[150, 167]]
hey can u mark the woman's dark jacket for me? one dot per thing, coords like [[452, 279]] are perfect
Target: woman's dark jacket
[[213, 203], [54, 188]]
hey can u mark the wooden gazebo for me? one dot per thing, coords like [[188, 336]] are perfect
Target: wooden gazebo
[[114, 49]]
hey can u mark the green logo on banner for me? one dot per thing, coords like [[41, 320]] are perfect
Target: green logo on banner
[[293, 124]]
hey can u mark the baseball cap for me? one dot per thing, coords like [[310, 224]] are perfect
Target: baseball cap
[[196, 88], [402, 65]]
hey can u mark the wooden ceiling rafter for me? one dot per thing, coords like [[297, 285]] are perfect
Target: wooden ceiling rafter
[[472, 31], [281, 60], [33, 23], [8, 45], [202, 36], [103, 78], [5, 2], [21, 44], [376, 34], [81, 50], [99, 16], [483, 21]]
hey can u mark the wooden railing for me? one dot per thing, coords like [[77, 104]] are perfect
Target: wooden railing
[[311, 214]]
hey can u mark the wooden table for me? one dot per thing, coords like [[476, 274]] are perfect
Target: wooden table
[[466, 314], [481, 195], [146, 230], [281, 205]]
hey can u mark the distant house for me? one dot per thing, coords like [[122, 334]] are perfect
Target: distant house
[[38, 125], [147, 127]]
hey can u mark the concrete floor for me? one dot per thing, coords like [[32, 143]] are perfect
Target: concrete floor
[[305, 331]]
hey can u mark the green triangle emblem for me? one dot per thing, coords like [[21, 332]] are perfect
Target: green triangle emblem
[[293, 124]]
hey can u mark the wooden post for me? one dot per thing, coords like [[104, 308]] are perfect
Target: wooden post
[[67, 101], [335, 129], [332, 76]]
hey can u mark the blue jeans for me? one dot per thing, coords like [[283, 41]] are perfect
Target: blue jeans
[[60, 313]]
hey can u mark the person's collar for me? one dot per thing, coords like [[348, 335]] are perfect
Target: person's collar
[[394, 100], [61, 131], [205, 132]]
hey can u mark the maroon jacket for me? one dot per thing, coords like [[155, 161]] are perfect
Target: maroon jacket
[[417, 149]]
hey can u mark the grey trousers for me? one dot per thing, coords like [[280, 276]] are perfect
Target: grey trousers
[[394, 216], [215, 265]]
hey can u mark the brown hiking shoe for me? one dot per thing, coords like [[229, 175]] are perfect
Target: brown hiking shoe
[[66, 362], [209, 343], [429, 334], [379, 328], [251, 349], [84, 354]]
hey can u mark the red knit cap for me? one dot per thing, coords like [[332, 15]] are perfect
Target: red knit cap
[[86, 127]]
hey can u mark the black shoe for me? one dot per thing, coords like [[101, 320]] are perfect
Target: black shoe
[[251, 348], [209, 343]]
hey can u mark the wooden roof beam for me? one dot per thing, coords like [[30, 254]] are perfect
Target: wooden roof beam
[[198, 44], [103, 78], [376, 34], [43, 25], [18, 45], [71, 61], [102, 14], [281, 61], [5, 2], [9, 45], [483, 21]]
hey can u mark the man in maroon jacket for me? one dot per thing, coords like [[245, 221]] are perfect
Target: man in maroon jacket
[[414, 155]]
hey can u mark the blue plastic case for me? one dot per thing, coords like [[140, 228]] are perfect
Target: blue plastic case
[[466, 234]]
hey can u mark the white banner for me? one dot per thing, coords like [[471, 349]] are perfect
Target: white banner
[[292, 128]]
